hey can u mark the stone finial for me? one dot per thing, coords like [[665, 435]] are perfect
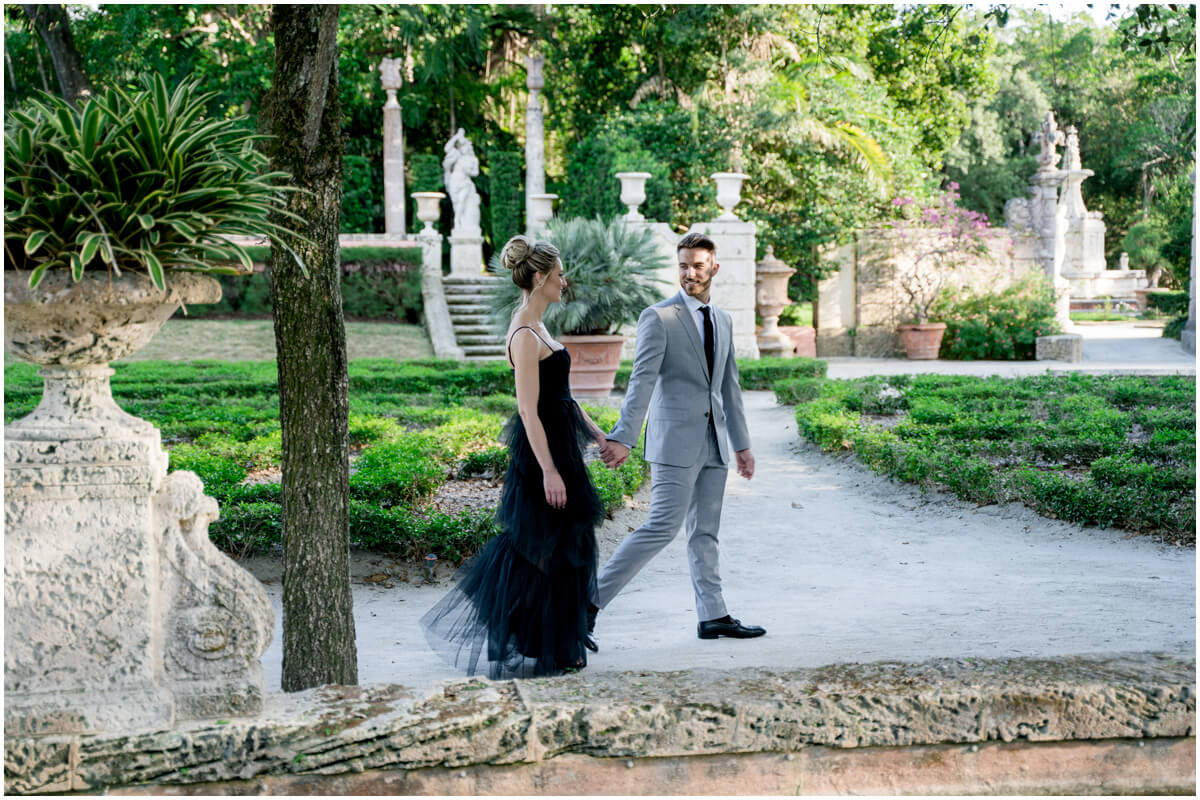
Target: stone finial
[[1049, 138], [1071, 160], [389, 73], [534, 80]]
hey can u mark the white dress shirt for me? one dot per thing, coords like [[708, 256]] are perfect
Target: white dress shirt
[[694, 306]]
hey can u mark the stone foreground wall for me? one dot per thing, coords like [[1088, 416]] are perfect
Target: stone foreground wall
[[1087, 720]]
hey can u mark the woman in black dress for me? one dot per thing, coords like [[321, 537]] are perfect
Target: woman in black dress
[[522, 602]]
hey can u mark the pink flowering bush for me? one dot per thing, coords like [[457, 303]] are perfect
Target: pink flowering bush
[[941, 238]]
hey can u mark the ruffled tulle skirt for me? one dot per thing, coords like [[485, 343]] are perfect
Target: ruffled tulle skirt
[[519, 607]]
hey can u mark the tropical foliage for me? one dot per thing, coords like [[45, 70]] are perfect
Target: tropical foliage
[[132, 181], [1130, 89], [831, 109], [611, 271]]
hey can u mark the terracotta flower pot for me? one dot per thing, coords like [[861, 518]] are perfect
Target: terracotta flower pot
[[594, 363], [922, 340]]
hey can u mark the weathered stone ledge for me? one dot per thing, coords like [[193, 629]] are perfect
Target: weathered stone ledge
[[343, 731]]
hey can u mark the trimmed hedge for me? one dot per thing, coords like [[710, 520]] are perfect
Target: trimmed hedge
[[377, 283], [418, 424], [507, 201], [1169, 303], [1113, 451], [761, 373]]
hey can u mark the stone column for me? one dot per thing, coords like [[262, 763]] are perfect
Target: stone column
[[535, 143], [393, 150], [733, 288], [1188, 337], [1049, 216]]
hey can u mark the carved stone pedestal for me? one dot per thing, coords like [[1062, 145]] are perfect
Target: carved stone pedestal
[[466, 256], [120, 614]]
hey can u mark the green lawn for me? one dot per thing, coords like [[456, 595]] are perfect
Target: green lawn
[[184, 339]]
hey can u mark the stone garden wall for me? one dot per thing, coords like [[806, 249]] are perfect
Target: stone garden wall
[[859, 306], [1119, 724]]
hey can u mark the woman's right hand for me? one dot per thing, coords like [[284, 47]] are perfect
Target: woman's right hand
[[556, 490]]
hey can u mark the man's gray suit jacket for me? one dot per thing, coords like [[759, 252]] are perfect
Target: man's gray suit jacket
[[670, 379]]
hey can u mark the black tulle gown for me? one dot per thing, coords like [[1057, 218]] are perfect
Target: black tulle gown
[[521, 604]]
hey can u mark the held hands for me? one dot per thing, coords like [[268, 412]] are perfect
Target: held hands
[[745, 463], [614, 453], [556, 490]]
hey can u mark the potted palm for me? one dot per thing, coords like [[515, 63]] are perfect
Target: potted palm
[[939, 239], [103, 202], [611, 271]]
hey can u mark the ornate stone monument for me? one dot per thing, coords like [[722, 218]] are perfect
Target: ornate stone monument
[[1069, 238], [460, 167], [1084, 247], [119, 612], [1048, 218], [535, 144], [393, 150]]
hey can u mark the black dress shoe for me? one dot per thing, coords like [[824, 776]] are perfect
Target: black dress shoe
[[590, 641], [728, 626]]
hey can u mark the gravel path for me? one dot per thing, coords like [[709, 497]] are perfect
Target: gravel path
[[840, 565]]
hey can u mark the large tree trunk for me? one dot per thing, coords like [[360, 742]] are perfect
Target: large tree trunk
[[55, 28], [304, 115]]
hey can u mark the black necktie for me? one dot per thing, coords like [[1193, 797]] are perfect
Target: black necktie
[[708, 339]]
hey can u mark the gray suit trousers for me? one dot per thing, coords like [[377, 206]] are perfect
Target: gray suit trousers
[[694, 494]]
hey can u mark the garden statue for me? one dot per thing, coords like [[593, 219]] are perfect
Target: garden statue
[[461, 166], [1049, 138]]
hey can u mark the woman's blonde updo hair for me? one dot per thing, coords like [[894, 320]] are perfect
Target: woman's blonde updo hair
[[526, 258]]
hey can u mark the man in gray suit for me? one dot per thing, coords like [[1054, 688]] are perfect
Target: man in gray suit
[[685, 375]]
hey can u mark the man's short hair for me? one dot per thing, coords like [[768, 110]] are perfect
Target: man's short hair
[[697, 241]]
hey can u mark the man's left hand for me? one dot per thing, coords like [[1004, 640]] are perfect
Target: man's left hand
[[745, 463]]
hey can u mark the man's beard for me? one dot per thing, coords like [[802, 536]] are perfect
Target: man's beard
[[697, 289]]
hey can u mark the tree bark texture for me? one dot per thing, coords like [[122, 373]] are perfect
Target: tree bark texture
[[54, 27], [304, 115]]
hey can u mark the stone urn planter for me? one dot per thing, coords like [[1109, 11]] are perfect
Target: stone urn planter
[[803, 339], [729, 192], [770, 280], [429, 210], [594, 363], [633, 193], [73, 329], [922, 340], [120, 613], [541, 211]]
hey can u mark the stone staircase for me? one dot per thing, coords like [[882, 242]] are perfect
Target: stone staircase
[[469, 300]]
